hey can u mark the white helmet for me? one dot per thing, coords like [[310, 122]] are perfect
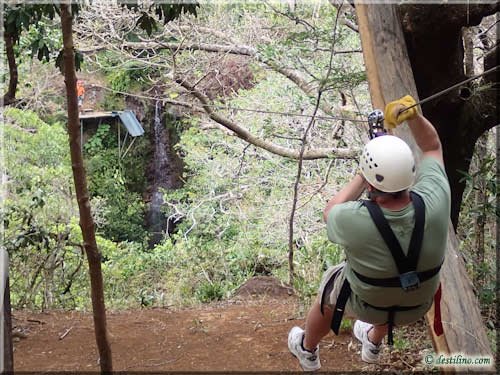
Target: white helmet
[[387, 163]]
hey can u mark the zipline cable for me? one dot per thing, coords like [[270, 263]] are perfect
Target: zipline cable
[[429, 98], [288, 114], [188, 105], [439, 93]]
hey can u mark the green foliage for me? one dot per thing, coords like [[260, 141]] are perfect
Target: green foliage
[[122, 211], [401, 343], [78, 60], [477, 227], [245, 201], [33, 18], [233, 210], [42, 40], [40, 215], [347, 325], [164, 11], [19, 17], [38, 209], [128, 76]]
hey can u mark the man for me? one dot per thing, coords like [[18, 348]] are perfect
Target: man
[[80, 92], [378, 284]]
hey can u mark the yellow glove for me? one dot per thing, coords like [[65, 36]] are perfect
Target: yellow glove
[[393, 115]]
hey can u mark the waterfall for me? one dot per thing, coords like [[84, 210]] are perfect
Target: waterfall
[[157, 221], [165, 171]]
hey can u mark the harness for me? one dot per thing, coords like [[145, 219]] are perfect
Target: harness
[[408, 279]]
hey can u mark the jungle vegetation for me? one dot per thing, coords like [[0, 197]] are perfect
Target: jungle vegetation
[[264, 103]]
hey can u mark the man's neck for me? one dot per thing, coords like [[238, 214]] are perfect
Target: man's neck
[[394, 204]]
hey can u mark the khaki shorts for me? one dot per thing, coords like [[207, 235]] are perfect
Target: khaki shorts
[[355, 308], [336, 272]]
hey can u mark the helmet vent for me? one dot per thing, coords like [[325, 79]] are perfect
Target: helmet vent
[[413, 169], [379, 178], [375, 164]]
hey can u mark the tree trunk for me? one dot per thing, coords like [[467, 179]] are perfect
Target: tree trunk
[[467, 36], [434, 41], [479, 180], [10, 96], [481, 200], [82, 195], [8, 354]]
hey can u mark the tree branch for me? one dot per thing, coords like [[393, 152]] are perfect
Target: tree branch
[[241, 132], [341, 8], [293, 75], [10, 96]]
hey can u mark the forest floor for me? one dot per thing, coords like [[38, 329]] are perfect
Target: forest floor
[[247, 333]]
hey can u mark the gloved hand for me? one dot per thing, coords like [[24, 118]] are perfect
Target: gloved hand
[[392, 115]]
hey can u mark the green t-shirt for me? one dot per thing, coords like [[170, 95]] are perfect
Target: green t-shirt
[[349, 224]]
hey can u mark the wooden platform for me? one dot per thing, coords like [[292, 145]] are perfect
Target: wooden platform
[[97, 114]]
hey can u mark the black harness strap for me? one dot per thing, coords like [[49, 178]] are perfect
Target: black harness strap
[[391, 312], [395, 282], [404, 263], [418, 231], [344, 295]]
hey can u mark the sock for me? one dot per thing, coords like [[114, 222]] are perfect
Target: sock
[[368, 337], [302, 345]]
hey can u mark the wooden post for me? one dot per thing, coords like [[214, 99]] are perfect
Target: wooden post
[[390, 77], [6, 352]]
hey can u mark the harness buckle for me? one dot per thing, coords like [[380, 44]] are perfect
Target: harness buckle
[[409, 281]]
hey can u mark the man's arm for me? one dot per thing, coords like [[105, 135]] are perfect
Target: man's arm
[[349, 192], [426, 137]]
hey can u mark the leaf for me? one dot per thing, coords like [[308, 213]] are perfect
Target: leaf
[[147, 23], [60, 61], [169, 12], [78, 60], [173, 95], [40, 54], [132, 5]]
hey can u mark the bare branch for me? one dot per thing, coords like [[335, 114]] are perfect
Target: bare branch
[[342, 9], [155, 45], [293, 75], [239, 131]]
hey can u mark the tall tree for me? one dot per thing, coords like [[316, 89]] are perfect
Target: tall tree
[[16, 19], [20, 17], [82, 194], [167, 12], [433, 35]]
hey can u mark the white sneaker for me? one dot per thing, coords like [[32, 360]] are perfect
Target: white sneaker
[[308, 360], [369, 351]]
